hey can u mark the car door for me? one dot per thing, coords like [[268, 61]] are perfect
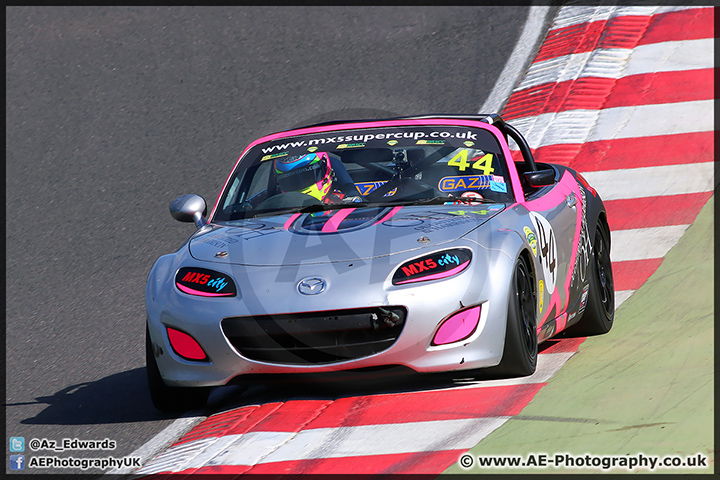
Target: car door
[[555, 230]]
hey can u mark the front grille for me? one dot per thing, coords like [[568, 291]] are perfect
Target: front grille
[[315, 337]]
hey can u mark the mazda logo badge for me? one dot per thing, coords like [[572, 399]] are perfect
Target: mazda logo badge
[[312, 286]]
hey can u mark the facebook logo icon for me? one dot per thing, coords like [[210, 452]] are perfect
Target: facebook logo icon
[[17, 462]]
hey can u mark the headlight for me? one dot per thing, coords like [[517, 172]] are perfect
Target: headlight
[[435, 266], [204, 282]]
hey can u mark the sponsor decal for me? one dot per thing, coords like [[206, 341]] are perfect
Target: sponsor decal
[[453, 221], [466, 213], [498, 187], [471, 195], [274, 155], [464, 182], [430, 142], [532, 241], [366, 187], [350, 145], [584, 248], [251, 230], [423, 240], [204, 282], [541, 295], [214, 242], [547, 247], [435, 266], [363, 137], [482, 162], [248, 231], [583, 299], [465, 202], [429, 221]]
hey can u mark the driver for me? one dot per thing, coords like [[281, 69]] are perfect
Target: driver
[[314, 174]]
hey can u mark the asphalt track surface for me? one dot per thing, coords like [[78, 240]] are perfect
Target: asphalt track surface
[[112, 112]]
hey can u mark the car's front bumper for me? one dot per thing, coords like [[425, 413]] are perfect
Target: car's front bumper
[[273, 291]]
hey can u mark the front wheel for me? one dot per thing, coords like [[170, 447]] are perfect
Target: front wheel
[[521, 347], [167, 398]]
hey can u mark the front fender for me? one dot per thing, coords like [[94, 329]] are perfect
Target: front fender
[[503, 247], [158, 277]]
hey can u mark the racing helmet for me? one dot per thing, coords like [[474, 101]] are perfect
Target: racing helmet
[[309, 174]]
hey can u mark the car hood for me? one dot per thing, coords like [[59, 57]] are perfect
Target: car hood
[[344, 235]]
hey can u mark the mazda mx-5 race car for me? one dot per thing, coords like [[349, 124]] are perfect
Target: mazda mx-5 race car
[[417, 242]]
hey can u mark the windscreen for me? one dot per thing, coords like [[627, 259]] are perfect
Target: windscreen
[[371, 166]]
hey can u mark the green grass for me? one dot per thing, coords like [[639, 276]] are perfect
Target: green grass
[[645, 387]]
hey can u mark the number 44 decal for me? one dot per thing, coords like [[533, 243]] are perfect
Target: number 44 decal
[[483, 163], [547, 249]]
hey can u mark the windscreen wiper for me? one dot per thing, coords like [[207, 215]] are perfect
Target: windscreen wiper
[[323, 207], [453, 198], [315, 207], [430, 201]]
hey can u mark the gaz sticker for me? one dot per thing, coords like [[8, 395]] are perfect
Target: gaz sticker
[[466, 182]]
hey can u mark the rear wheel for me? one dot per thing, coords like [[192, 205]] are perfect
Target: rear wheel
[[600, 309], [521, 347], [167, 398]]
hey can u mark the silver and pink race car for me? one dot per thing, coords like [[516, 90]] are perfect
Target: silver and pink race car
[[418, 242]]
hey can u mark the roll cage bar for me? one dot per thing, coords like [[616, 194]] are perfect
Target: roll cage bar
[[489, 118]]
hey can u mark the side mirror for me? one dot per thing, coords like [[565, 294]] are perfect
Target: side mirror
[[189, 208], [540, 178]]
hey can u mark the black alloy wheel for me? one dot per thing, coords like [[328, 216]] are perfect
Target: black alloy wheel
[[599, 313], [521, 348]]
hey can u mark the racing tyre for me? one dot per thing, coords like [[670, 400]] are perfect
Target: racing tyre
[[600, 309], [521, 347], [167, 398]]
